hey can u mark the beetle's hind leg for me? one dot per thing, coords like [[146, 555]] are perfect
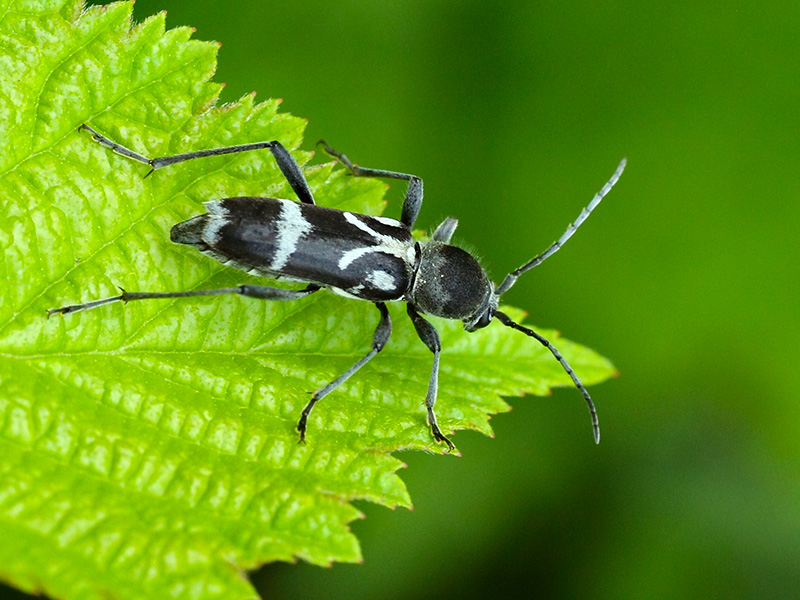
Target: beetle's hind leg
[[413, 200], [382, 333], [285, 161], [253, 291]]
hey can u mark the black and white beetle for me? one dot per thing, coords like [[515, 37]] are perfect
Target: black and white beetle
[[353, 255]]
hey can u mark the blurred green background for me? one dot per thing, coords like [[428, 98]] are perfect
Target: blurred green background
[[515, 114]]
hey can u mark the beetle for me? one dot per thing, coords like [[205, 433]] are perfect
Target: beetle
[[353, 255]]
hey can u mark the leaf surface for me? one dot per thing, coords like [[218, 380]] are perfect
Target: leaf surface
[[150, 450]]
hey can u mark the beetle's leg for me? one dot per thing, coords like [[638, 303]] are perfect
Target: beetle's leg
[[286, 162], [428, 334], [445, 230], [252, 291], [382, 333], [413, 200]]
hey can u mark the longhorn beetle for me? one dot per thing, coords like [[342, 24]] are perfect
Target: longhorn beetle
[[357, 256]]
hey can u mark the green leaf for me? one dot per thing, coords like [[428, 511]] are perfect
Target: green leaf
[[150, 450]]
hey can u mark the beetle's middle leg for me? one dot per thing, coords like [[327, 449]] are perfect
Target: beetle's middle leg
[[413, 200], [382, 333]]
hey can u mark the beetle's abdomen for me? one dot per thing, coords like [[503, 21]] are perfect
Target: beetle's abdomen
[[367, 257]]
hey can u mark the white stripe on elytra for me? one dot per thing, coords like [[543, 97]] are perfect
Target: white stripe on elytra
[[386, 244], [214, 207], [388, 221], [212, 233], [217, 219], [292, 227], [381, 280]]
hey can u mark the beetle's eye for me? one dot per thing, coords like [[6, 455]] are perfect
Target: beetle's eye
[[483, 321]]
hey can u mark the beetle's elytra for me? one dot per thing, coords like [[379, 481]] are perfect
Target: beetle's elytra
[[357, 256]]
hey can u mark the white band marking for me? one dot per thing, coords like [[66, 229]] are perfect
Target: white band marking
[[291, 228], [385, 243]]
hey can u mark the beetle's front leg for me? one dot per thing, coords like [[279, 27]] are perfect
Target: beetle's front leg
[[430, 337]]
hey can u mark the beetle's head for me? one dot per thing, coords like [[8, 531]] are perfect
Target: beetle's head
[[450, 283]]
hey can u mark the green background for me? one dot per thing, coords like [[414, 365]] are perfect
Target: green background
[[687, 277]]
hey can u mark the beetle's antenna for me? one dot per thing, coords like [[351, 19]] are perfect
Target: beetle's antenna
[[511, 278], [506, 320]]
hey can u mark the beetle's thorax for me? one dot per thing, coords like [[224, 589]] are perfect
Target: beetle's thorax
[[450, 283]]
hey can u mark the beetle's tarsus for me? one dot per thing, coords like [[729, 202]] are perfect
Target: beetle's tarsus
[[65, 310], [440, 437], [301, 428]]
